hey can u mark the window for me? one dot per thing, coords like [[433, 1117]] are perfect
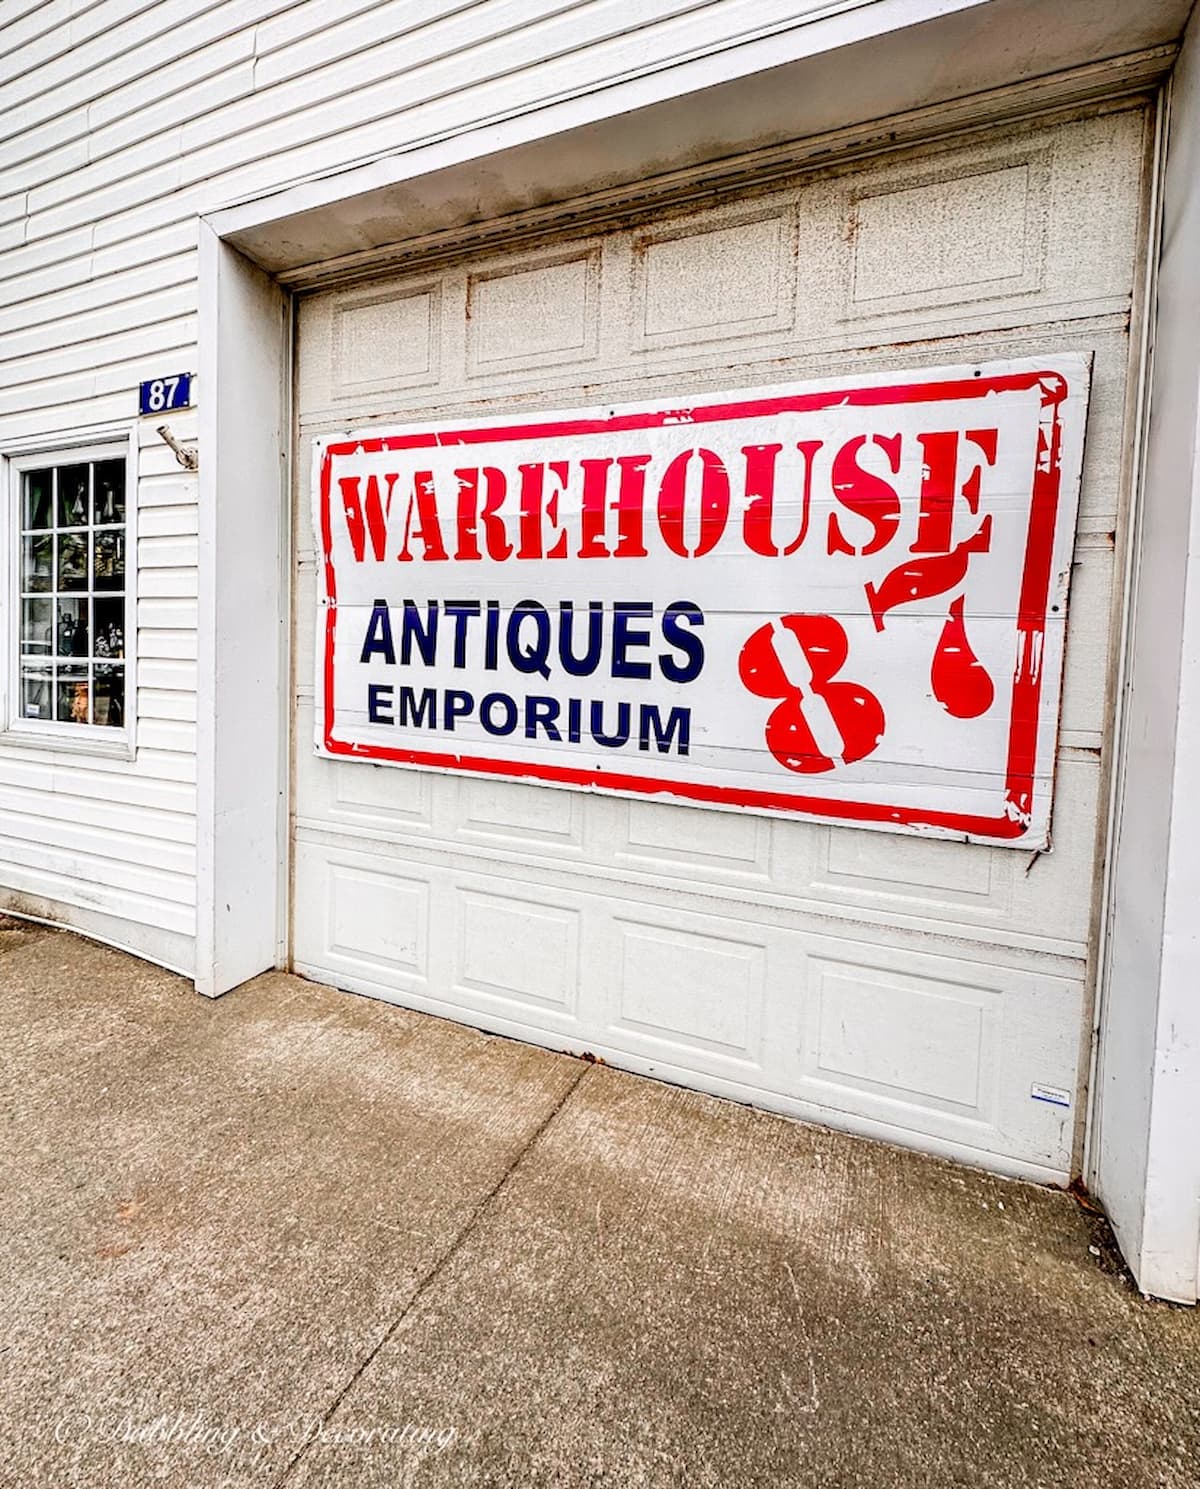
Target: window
[[72, 603]]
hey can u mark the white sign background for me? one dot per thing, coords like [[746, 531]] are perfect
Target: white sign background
[[930, 518]]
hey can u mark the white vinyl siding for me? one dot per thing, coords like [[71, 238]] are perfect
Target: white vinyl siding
[[120, 122]]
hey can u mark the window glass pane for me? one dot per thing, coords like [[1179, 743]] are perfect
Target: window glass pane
[[72, 560], [35, 692], [37, 564], [37, 616], [109, 567], [72, 695], [109, 492], [110, 696], [37, 510], [108, 638], [72, 607], [73, 496], [72, 628]]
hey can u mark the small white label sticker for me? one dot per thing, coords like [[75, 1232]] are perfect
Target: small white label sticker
[[1055, 1095]]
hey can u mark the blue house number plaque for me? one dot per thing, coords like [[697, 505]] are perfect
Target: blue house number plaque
[[161, 394]]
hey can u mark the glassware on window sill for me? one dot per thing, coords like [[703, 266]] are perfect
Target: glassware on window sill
[[109, 499], [72, 600], [72, 627], [109, 626], [73, 496]]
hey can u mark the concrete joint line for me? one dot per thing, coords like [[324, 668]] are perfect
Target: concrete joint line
[[434, 1272]]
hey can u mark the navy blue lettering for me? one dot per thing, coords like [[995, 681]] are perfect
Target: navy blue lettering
[[456, 705], [422, 714], [426, 639], [625, 636], [611, 741], [543, 711], [537, 648], [675, 617], [379, 697], [379, 635], [491, 636], [461, 610], [580, 666], [678, 720], [489, 703]]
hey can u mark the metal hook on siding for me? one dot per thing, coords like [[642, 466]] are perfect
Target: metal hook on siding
[[187, 456]]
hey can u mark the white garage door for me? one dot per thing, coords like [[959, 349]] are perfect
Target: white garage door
[[930, 991]]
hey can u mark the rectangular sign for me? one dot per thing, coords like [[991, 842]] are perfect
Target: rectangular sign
[[161, 394], [842, 600]]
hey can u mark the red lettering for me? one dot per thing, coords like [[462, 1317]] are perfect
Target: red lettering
[[631, 498], [759, 520], [820, 722], [422, 504], [866, 495], [714, 503], [924, 578], [960, 681], [366, 516], [935, 524], [471, 515], [594, 514], [537, 509]]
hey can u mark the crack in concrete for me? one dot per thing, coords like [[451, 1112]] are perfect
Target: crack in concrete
[[431, 1276]]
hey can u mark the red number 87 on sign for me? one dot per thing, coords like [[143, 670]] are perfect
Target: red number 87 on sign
[[821, 721]]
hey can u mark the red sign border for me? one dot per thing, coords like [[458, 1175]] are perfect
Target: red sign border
[[1031, 619]]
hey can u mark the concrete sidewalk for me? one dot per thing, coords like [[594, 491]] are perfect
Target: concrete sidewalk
[[298, 1238]]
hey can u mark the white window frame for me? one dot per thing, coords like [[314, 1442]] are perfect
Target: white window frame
[[119, 443]]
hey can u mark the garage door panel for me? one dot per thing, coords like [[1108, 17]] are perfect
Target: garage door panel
[[381, 340], [362, 914], [931, 1045], [823, 263], [951, 1047], [964, 888], [802, 872], [519, 953], [536, 311], [694, 997], [1026, 221], [505, 812], [730, 848], [924, 990], [865, 884], [958, 1050], [369, 797], [714, 278]]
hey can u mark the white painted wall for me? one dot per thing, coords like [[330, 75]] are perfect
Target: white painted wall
[[1146, 1159], [121, 124], [245, 326]]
